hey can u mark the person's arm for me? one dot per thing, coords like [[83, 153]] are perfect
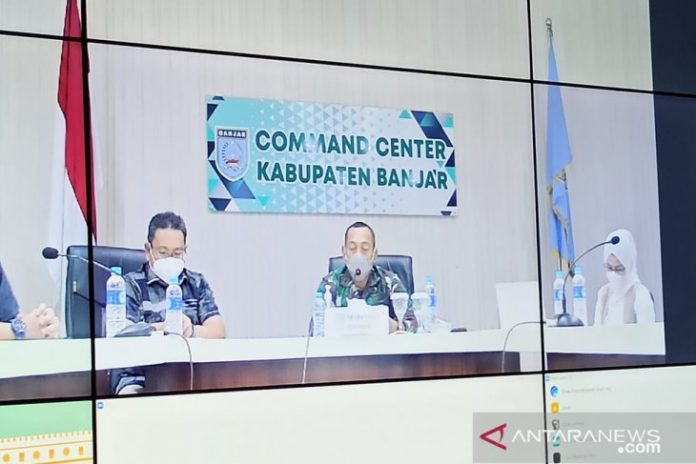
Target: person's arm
[[8, 307], [39, 323], [396, 285], [134, 299], [48, 322], [9, 310], [644, 306], [326, 280], [6, 331], [213, 326]]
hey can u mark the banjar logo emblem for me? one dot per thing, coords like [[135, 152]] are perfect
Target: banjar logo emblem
[[232, 152], [499, 431]]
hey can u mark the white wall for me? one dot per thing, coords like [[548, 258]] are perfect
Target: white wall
[[42, 16], [149, 113], [612, 183], [597, 42], [28, 110], [473, 36]]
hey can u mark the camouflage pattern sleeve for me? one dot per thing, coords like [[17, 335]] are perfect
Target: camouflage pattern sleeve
[[322, 284], [394, 283], [134, 299], [206, 301], [332, 281]]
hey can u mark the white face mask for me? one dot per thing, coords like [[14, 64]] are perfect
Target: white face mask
[[168, 268], [359, 267], [614, 277]]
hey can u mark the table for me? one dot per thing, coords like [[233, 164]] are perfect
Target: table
[[37, 369], [52, 368]]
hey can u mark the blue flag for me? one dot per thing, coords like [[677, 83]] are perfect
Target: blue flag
[[558, 158]]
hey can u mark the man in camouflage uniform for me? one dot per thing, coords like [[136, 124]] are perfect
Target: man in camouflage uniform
[[359, 277]]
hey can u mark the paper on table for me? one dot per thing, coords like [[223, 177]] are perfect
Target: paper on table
[[357, 319]]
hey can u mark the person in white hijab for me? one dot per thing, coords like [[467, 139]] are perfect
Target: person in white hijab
[[624, 300]]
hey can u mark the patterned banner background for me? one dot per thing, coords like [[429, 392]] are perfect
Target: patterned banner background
[[294, 157]]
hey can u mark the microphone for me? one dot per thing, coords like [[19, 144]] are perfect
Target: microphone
[[310, 334], [507, 335], [77, 286], [190, 356], [569, 320], [328, 303], [52, 253]]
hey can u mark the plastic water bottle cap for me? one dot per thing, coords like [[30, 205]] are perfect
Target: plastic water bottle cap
[[578, 270], [429, 280], [173, 281], [559, 274], [116, 270]]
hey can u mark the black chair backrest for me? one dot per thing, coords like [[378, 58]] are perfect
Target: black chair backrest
[[77, 305], [400, 265]]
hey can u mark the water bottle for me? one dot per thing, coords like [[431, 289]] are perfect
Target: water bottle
[[430, 291], [558, 293], [174, 317], [115, 303], [318, 315], [579, 301], [432, 298]]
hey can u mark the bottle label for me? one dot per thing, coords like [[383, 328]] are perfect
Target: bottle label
[[318, 321], [174, 304], [432, 300], [579, 292], [558, 295], [115, 297]]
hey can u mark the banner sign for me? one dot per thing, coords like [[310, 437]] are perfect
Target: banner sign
[[293, 157]]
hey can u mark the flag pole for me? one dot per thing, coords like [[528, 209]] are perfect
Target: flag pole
[[549, 31]]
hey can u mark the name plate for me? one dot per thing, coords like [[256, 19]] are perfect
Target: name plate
[[356, 321]]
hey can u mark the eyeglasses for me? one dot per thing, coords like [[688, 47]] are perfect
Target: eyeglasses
[[161, 254], [610, 268]]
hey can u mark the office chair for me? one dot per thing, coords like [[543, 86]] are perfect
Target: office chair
[[77, 304]]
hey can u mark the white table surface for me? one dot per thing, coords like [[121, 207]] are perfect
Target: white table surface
[[42, 357]]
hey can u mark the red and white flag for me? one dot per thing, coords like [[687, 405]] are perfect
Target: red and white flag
[[69, 199]]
